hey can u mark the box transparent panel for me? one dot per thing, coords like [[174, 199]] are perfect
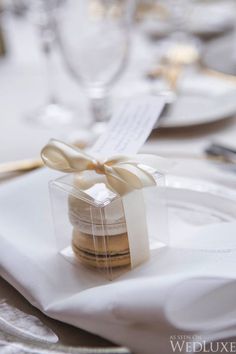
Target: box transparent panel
[[90, 223]]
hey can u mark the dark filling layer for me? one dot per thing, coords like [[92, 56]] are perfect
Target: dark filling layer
[[102, 255]]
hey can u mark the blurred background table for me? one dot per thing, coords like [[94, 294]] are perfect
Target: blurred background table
[[23, 88]]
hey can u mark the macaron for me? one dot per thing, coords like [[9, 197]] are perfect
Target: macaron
[[99, 237], [101, 252]]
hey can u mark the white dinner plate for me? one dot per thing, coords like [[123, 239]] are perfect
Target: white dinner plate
[[198, 202], [190, 111], [201, 99]]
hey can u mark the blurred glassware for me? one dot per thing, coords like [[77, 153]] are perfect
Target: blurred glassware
[[18, 8], [43, 13], [204, 19], [179, 11], [2, 39], [2, 43], [180, 37], [177, 49], [94, 38], [162, 18]]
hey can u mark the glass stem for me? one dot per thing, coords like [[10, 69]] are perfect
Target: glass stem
[[180, 10], [99, 104], [47, 39]]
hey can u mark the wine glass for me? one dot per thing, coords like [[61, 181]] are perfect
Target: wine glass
[[43, 14], [178, 52], [181, 41], [94, 37]]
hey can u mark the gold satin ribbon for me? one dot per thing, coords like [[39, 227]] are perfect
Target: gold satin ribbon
[[124, 173]]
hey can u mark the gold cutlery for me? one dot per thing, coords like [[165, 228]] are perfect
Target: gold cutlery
[[222, 152], [20, 166], [169, 72], [218, 74], [178, 57], [27, 165], [173, 63]]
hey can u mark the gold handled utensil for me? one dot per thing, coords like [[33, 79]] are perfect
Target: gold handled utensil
[[27, 165], [176, 59], [20, 166]]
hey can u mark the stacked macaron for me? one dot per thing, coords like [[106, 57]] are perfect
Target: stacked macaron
[[99, 228]]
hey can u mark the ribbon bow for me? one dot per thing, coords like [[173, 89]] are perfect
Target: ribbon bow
[[124, 173]]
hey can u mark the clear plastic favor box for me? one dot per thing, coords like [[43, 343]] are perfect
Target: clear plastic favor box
[[90, 221]]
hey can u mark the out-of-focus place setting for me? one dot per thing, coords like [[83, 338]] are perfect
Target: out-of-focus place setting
[[117, 175]]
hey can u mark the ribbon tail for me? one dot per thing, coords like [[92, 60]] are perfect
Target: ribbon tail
[[135, 176], [160, 164], [136, 222], [64, 157]]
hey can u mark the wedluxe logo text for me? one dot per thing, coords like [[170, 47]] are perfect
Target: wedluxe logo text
[[196, 344]]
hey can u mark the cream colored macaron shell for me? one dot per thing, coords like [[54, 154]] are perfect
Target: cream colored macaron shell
[[101, 251]]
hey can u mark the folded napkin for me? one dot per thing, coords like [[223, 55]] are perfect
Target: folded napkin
[[183, 289]]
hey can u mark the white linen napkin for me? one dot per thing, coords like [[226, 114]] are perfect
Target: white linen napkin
[[180, 290]]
